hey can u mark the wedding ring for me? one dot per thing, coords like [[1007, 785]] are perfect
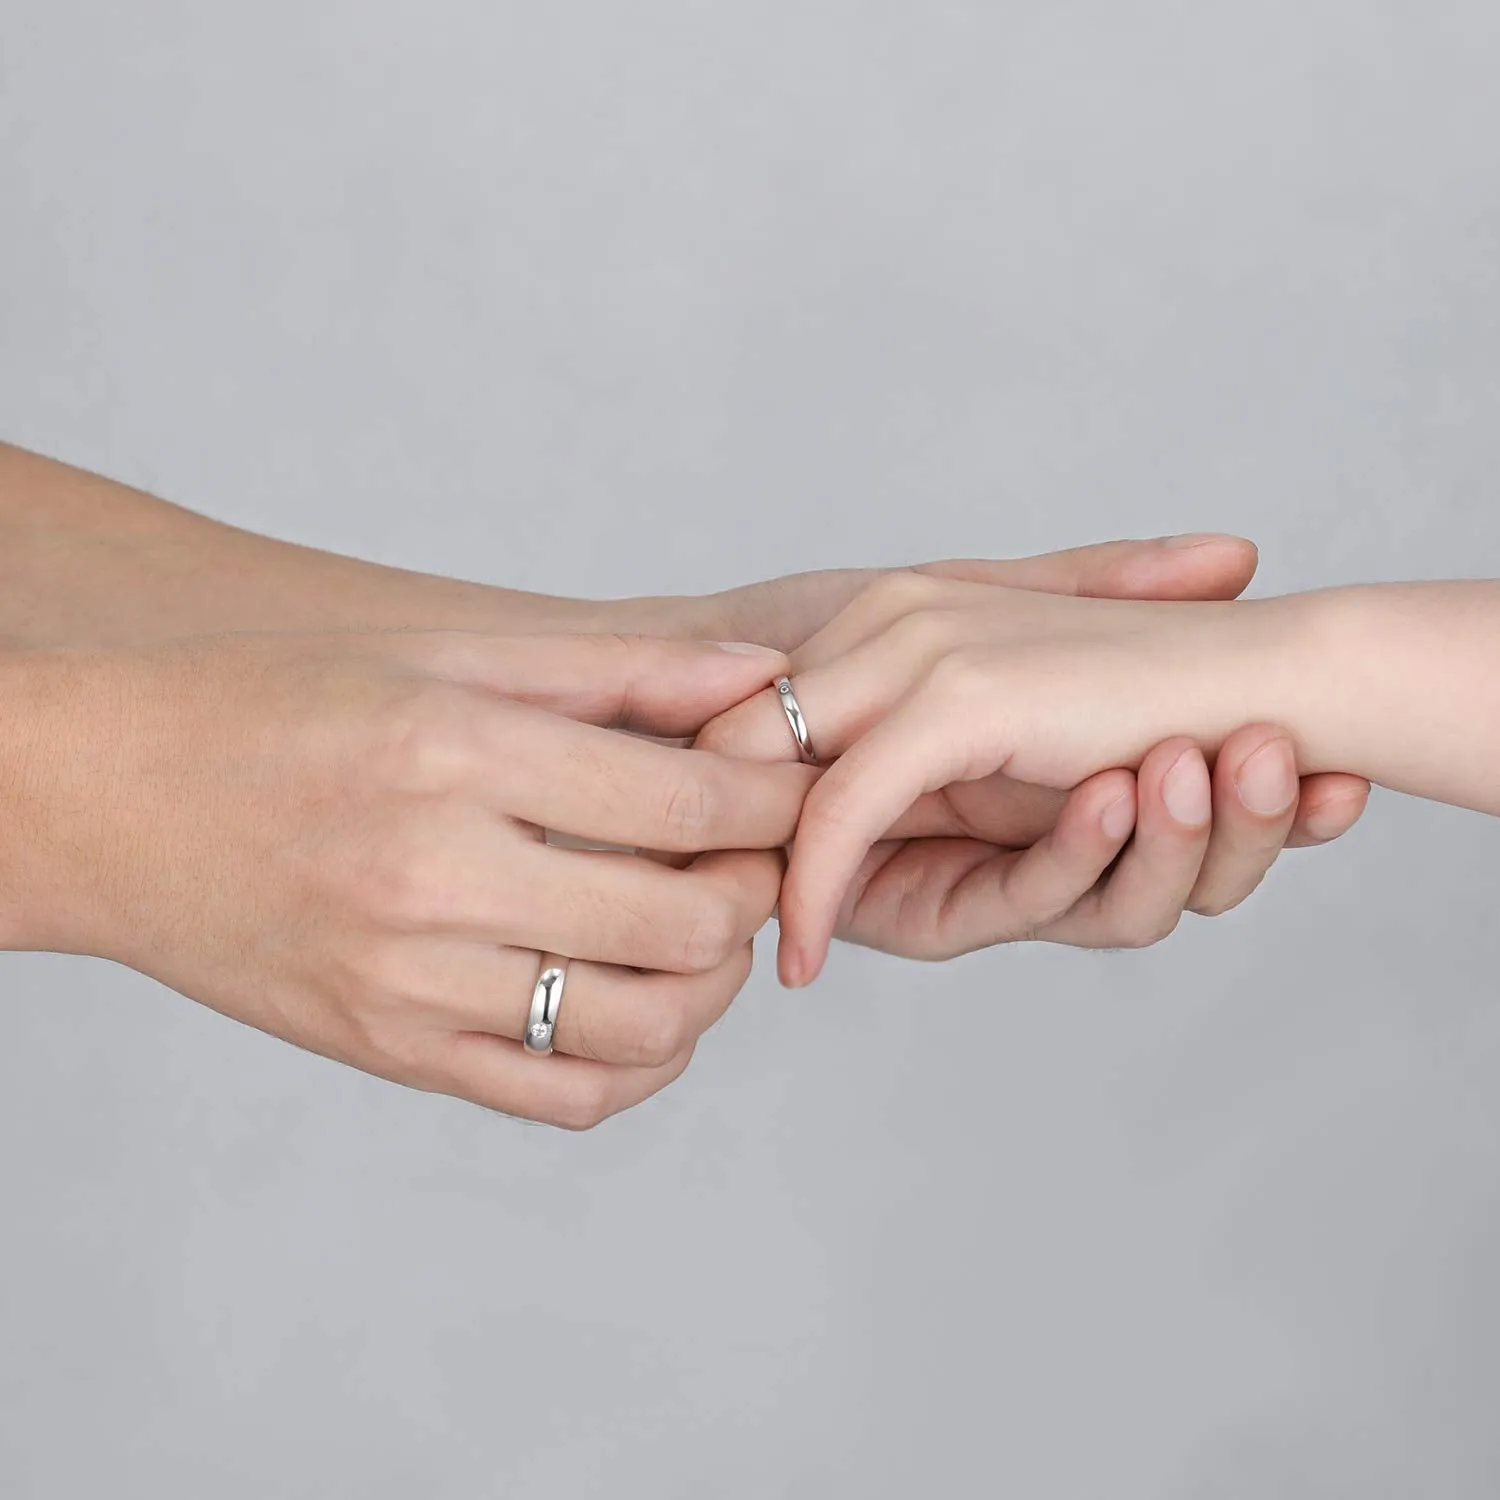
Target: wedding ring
[[546, 1001], [794, 717]]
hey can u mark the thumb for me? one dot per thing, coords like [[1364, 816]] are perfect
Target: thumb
[[1202, 565], [636, 682], [782, 612]]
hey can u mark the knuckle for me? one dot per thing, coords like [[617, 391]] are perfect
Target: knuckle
[[1213, 906], [659, 1036], [630, 655], [828, 812], [1221, 903], [363, 1025], [713, 737], [1149, 933], [920, 635], [723, 735], [961, 671], [899, 593], [741, 966], [427, 741], [388, 1053], [1030, 923], [711, 934], [687, 813], [585, 1105]]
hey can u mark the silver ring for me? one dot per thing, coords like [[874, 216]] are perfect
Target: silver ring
[[546, 1001], [795, 719]]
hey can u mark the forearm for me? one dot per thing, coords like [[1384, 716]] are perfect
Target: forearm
[[1398, 683], [85, 561], [32, 748]]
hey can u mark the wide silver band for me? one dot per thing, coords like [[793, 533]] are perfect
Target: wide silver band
[[794, 718], [546, 1002]]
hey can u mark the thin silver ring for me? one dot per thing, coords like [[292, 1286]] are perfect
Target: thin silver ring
[[795, 719], [546, 1002]]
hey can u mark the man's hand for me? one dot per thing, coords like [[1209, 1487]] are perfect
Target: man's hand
[[341, 841], [85, 562]]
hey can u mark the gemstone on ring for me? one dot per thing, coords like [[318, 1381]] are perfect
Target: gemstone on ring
[[794, 717], [546, 1000]]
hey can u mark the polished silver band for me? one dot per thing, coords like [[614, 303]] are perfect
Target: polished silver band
[[546, 1001], [795, 719]]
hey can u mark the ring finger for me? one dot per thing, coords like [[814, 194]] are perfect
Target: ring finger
[[607, 1013]]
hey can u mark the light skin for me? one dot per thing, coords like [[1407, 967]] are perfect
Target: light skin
[[86, 561], [188, 791], [923, 696], [340, 839]]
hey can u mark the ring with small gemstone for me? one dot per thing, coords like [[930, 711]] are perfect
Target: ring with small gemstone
[[793, 711], [546, 1001]]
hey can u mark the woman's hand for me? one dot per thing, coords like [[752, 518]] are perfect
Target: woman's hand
[[1000, 854], [340, 840], [787, 612]]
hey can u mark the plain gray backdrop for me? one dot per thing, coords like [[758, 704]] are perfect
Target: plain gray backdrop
[[606, 299]]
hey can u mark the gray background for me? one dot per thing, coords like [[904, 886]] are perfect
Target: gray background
[[612, 298]]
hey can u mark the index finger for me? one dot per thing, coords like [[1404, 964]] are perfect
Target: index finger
[[840, 698], [916, 750], [611, 787], [655, 687]]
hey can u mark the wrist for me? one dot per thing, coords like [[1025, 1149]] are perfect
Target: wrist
[[1295, 657]]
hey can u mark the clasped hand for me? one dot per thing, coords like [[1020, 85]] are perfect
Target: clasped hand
[[956, 714], [343, 839]]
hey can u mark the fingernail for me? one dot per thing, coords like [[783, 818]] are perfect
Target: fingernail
[[1267, 782], [748, 648], [1190, 539], [1119, 817], [1329, 822], [791, 969], [1323, 826], [1186, 790]]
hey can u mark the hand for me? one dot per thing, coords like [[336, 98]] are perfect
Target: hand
[[786, 612], [340, 840], [88, 562], [997, 859], [1034, 864]]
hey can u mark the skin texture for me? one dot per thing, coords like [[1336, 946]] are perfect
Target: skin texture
[[189, 793], [1005, 860], [86, 561], [340, 840], [925, 699]]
